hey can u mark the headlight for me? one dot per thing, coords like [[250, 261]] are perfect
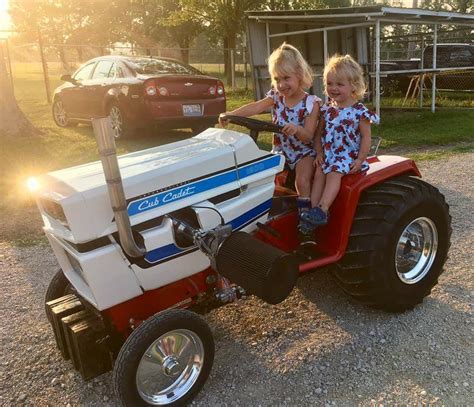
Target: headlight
[[54, 210]]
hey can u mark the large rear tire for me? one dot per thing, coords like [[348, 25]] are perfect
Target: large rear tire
[[398, 244], [165, 361]]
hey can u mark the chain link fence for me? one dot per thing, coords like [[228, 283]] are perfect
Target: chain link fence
[[38, 62], [454, 57], [43, 64]]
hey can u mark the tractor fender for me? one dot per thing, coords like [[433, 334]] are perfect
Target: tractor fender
[[333, 237]]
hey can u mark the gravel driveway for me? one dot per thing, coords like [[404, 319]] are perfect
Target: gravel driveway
[[316, 348]]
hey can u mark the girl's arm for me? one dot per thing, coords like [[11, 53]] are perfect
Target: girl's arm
[[365, 142], [305, 133], [318, 144], [249, 109]]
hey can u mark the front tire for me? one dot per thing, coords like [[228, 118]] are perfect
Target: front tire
[[58, 287], [398, 244], [165, 361], [60, 115]]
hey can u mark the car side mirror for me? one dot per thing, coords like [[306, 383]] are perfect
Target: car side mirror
[[68, 78]]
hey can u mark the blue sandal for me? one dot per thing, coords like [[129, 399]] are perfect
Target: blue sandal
[[315, 217]]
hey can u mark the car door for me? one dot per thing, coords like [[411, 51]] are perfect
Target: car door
[[102, 80], [72, 95]]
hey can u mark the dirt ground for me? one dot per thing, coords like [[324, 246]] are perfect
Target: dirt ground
[[318, 347]]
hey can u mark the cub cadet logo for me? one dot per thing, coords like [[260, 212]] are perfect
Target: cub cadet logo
[[167, 198]]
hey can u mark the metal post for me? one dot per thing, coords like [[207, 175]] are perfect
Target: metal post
[[433, 81], [267, 31], [9, 64], [377, 67], [232, 67], [45, 68], [422, 75], [244, 56], [325, 56]]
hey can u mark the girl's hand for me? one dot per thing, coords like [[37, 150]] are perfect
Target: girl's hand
[[356, 166], [290, 129], [319, 160]]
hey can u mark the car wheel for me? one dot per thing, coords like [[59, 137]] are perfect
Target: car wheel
[[120, 125], [60, 115], [165, 361], [58, 287], [398, 244]]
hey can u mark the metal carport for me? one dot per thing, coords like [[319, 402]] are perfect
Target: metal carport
[[321, 33]]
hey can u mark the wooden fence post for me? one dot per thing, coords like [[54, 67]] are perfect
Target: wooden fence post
[[45, 68]]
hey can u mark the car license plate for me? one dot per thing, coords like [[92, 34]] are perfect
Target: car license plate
[[192, 110]]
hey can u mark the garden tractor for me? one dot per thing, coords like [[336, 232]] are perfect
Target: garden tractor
[[148, 240]]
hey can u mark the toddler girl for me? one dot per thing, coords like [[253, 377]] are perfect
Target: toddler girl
[[343, 136], [295, 110]]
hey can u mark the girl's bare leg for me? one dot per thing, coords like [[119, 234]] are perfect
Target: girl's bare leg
[[304, 174], [331, 189], [318, 186]]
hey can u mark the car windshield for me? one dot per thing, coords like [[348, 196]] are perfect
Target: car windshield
[[162, 66]]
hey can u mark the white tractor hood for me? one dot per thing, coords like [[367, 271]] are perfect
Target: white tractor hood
[[156, 181]]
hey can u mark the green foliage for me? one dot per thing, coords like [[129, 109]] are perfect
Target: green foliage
[[156, 22]]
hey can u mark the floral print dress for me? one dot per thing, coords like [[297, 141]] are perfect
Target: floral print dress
[[341, 136], [291, 146]]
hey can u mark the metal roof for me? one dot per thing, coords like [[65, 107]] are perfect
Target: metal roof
[[351, 15]]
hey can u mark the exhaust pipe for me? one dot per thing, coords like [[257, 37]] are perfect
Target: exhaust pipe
[[108, 155]]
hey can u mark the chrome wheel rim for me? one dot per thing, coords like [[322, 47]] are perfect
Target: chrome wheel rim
[[416, 250], [117, 122], [60, 114], [170, 367]]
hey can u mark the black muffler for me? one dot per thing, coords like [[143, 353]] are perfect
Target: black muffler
[[259, 268]]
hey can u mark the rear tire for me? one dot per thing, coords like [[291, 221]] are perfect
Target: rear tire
[[165, 361], [58, 287], [398, 244], [199, 128]]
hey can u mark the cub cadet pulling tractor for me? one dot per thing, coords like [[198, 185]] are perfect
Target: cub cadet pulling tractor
[[199, 223]]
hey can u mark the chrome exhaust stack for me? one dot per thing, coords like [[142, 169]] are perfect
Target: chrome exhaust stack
[[108, 155]]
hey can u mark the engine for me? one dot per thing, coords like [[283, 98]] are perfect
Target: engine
[[218, 178]]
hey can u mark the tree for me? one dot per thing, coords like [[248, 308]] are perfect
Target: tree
[[460, 6], [13, 122], [223, 20], [67, 22], [161, 22]]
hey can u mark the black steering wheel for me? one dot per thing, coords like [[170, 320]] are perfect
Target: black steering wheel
[[255, 126]]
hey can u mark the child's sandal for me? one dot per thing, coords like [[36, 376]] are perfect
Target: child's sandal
[[315, 216]]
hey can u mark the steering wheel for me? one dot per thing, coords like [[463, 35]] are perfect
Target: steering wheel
[[255, 126]]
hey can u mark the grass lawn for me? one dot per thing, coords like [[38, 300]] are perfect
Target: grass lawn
[[57, 148]]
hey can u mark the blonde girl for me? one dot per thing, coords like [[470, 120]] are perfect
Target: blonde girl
[[343, 136], [295, 110]]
